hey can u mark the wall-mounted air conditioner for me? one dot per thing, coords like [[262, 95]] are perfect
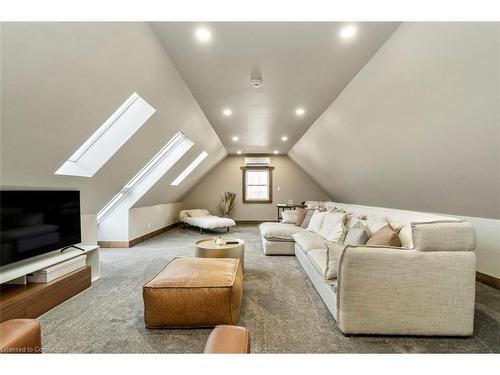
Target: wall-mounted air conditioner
[[257, 160]]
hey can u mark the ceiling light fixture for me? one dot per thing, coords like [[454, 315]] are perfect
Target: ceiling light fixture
[[238, 152], [227, 112], [348, 32], [235, 139], [203, 35], [275, 152], [300, 111], [284, 138]]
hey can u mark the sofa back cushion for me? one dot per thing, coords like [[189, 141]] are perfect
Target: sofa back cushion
[[444, 236], [332, 228], [316, 221]]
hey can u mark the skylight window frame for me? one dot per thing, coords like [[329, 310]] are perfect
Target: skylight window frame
[[110, 137], [166, 150], [190, 168], [103, 128]]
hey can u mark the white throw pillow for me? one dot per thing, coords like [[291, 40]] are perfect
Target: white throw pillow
[[316, 221], [374, 224], [289, 217], [197, 212], [332, 228], [310, 205]]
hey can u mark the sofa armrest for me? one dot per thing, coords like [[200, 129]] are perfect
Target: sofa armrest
[[410, 292]]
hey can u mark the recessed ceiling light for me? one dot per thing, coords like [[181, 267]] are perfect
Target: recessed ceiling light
[[300, 111], [275, 152], [238, 152], [348, 32], [227, 112], [284, 138], [203, 35], [235, 139]]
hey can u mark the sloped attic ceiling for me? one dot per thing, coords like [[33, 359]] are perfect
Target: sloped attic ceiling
[[418, 128], [61, 81], [302, 64]]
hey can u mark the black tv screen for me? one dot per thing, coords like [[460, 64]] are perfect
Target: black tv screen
[[36, 222]]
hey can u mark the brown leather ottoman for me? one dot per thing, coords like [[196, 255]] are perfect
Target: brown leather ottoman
[[20, 336], [194, 292]]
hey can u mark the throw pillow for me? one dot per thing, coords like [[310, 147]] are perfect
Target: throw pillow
[[197, 212], [316, 221], [307, 219], [385, 236], [311, 205], [332, 228], [357, 236], [301, 214], [288, 217], [333, 255]]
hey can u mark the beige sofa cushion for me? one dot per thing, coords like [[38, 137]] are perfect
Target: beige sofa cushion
[[279, 231], [444, 236], [318, 260], [309, 240]]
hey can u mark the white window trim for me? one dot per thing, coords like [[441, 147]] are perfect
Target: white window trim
[[134, 181], [103, 128], [108, 138], [186, 172]]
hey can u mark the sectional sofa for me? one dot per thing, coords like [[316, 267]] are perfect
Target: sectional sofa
[[425, 287]]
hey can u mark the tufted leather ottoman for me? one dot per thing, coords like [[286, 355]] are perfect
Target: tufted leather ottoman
[[194, 292]]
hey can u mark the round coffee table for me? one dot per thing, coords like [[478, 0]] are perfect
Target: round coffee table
[[207, 248]]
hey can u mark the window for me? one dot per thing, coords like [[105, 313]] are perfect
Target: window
[[154, 169], [257, 184], [108, 138], [189, 169]]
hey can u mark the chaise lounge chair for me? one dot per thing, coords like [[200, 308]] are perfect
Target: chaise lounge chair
[[202, 219]]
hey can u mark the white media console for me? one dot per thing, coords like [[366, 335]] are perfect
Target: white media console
[[16, 272]]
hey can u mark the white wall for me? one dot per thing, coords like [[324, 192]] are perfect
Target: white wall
[[144, 220], [488, 244], [291, 181], [89, 229]]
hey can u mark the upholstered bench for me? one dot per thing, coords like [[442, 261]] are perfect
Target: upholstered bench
[[194, 292]]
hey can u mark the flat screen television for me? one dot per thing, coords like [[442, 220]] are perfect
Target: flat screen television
[[37, 222]]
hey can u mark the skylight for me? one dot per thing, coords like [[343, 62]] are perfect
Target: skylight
[[108, 138], [154, 169], [189, 168]]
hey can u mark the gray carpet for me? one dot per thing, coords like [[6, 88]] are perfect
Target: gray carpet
[[280, 306]]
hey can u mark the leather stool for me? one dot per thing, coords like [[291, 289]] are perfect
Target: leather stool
[[228, 340], [20, 336]]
